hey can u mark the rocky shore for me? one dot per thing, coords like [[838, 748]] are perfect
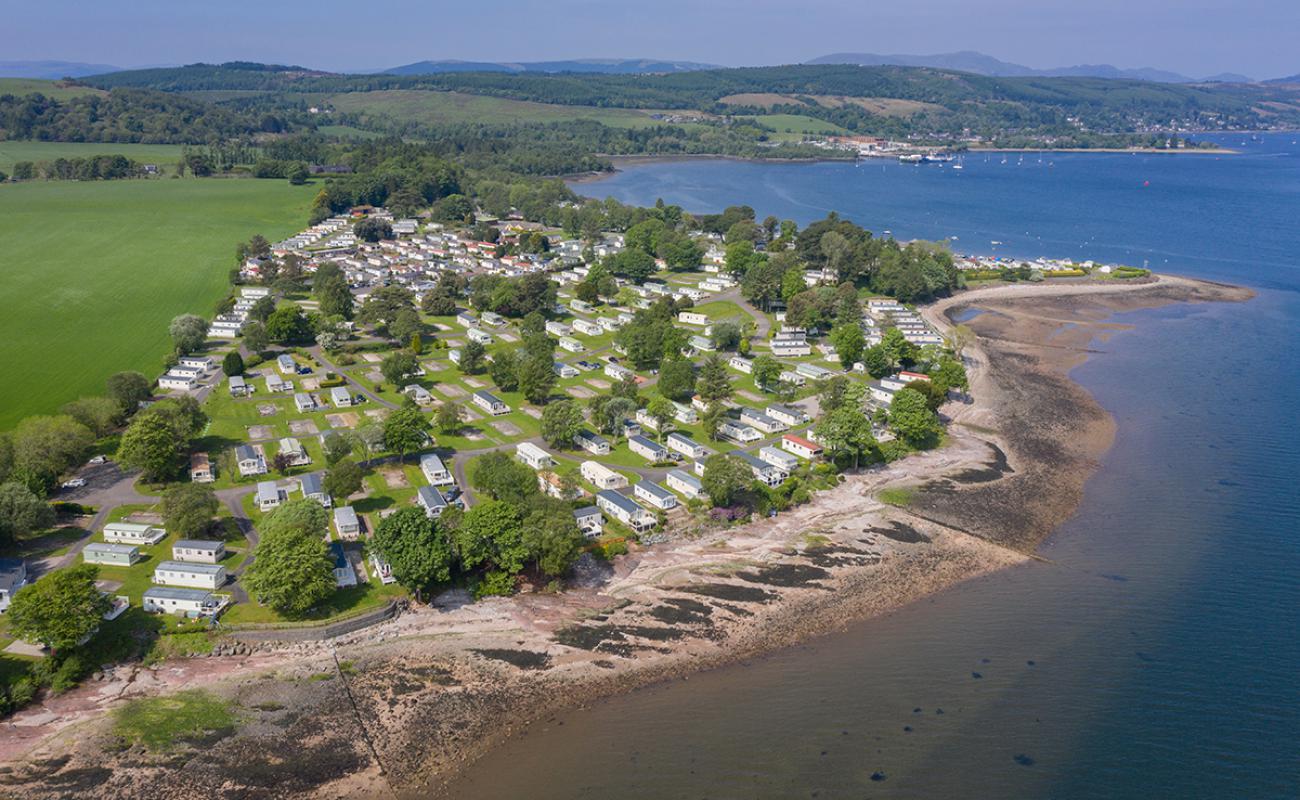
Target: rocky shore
[[394, 710]]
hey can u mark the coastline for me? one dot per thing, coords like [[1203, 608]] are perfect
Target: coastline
[[432, 688]]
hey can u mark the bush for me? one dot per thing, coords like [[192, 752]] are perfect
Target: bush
[[495, 584], [73, 509], [69, 673]]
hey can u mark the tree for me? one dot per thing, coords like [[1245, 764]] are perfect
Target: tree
[[44, 447], [833, 394], [950, 373], [282, 462], [608, 413], [740, 257], [766, 371], [232, 364], [663, 412], [553, 541], [877, 361], [635, 265], [500, 476], [712, 419], [129, 389], [292, 571], [447, 420], [849, 342], [934, 394], [188, 508], [912, 419], [846, 431], [262, 308], [504, 369], [561, 422], [627, 388], [724, 477], [288, 325], [343, 479], [537, 377], [677, 379], [152, 444], [297, 174], [334, 295], [472, 356], [336, 447], [255, 337], [405, 326], [900, 351], [406, 430], [397, 366], [419, 553], [714, 384], [21, 512], [491, 534], [59, 610], [371, 229], [100, 414], [725, 336]]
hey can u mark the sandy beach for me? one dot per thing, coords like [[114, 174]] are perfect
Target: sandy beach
[[437, 687]]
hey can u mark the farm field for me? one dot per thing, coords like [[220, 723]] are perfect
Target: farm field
[[55, 89], [413, 105], [95, 271], [164, 155], [792, 127]]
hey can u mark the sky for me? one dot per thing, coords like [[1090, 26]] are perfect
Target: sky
[[1193, 37]]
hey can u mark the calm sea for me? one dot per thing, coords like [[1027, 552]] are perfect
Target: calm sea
[[1155, 655]]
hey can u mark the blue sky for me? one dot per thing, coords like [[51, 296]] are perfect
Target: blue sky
[[1194, 37]]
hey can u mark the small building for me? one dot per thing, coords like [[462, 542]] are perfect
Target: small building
[[238, 386], [304, 402], [382, 568], [435, 471], [571, 344], [588, 327], [186, 602], [625, 510], [687, 446], [763, 471], [204, 551], [113, 555], [800, 446], [565, 370], [702, 343], [418, 393], [741, 364], [881, 393], [684, 413], [647, 449], [314, 489], [275, 383], [654, 494], [779, 458], [201, 363], [787, 415], [466, 319], [590, 521], [617, 372], [533, 456], [194, 576], [813, 372], [201, 468], [285, 363], [480, 336], [593, 443], [557, 328], [738, 432], [269, 495], [692, 318], [13, 576], [296, 453], [601, 476], [791, 377], [346, 522], [763, 422], [344, 574], [341, 397], [431, 500], [133, 533], [490, 403], [791, 348], [684, 483], [249, 460], [173, 381]]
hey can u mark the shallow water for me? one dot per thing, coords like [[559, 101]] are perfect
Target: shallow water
[[1153, 655]]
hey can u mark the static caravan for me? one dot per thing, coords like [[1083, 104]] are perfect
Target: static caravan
[[304, 402], [431, 500], [114, 555], [313, 489], [269, 495], [761, 421], [625, 510], [346, 522], [738, 432], [191, 575], [778, 458], [201, 468], [587, 328], [533, 456], [480, 336], [250, 460], [296, 453], [800, 446], [692, 318], [203, 551], [765, 472], [490, 403], [572, 345], [435, 471], [341, 397], [647, 449], [590, 521], [556, 328], [564, 370], [344, 574], [238, 386], [601, 476], [186, 602], [788, 415], [133, 533], [593, 443], [655, 495], [687, 446], [275, 384], [174, 382], [286, 364], [685, 483], [741, 364]]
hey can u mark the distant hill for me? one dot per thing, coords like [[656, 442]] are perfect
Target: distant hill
[[52, 70], [1289, 79], [981, 64], [604, 66]]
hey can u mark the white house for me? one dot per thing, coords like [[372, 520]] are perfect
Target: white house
[[738, 432], [741, 364], [418, 393], [431, 500], [601, 476], [201, 468], [285, 363], [790, 348], [565, 370], [787, 415], [201, 363], [133, 533], [684, 413], [881, 393], [692, 318], [490, 403], [269, 495], [176, 382], [346, 522], [793, 378], [480, 336], [304, 402], [533, 456], [593, 443], [275, 383], [684, 483], [761, 421], [296, 453], [186, 602], [701, 343], [617, 372], [687, 446], [646, 420], [625, 510], [341, 397], [778, 458], [344, 574], [466, 319], [557, 328], [813, 372], [590, 521], [654, 494], [200, 550], [647, 449], [113, 555], [313, 489], [765, 472], [587, 327], [192, 575], [238, 386], [435, 471], [250, 460], [571, 344], [800, 446]]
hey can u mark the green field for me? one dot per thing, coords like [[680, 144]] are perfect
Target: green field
[[792, 127], [428, 107], [164, 155], [95, 271], [55, 89]]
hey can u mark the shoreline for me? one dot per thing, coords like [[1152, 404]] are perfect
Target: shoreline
[[435, 689]]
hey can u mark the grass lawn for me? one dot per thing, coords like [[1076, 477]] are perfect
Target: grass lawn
[[432, 107], [55, 89], [164, 155], [95, 272], [163, 723], [792, 127]]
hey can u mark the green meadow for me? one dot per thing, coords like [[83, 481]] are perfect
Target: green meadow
[[93, 273], [428, 107], [164, 155]]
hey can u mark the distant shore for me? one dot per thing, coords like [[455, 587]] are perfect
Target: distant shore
[[1209, 151], [434, 690]]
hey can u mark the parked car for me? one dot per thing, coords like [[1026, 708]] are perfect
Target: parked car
[[99, 460], [304, 370], [75, 483]]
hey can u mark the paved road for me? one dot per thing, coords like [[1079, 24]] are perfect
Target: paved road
[[319, 355], [107, 487]]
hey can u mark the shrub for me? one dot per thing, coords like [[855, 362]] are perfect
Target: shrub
[[495, 584]]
